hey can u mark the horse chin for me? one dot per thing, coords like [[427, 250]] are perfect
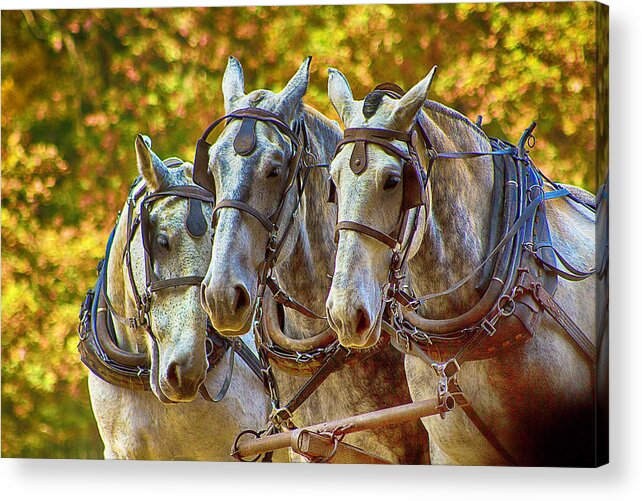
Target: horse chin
[[176, 396], [236, 332], [364, 342]]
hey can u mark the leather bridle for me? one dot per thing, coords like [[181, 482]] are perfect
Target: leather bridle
[[153, 283], [299, 166], [414, 176]]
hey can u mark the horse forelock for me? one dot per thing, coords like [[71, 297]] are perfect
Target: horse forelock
[[372, 102]]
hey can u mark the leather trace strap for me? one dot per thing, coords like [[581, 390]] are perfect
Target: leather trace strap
[[583, 342]]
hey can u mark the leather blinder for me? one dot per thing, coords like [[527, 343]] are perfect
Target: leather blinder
[[202, 176], [195, 221], [413, 187], [145, 228], [245, 139]]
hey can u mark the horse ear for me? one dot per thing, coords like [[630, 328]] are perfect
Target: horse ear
[[291, 96], [409, 105], [150, 166], [340, 94], [233, 83]]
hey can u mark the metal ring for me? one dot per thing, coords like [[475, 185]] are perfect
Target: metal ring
[[530, 192], [234, 452], [336, 439], [449, 402], [503, 311], [531, 141], [209, 347]]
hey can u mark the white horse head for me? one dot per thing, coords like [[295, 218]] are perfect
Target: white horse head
[[258, 179], [177, 321], [372, 197]]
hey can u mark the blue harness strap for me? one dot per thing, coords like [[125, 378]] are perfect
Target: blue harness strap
[[100, 283], [562, 192]]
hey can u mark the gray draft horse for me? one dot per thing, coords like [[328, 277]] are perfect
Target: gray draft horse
[[304, 265], [135, 424], [538, 398]]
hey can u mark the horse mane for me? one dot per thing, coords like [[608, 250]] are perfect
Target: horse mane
[[448, 119], [314, 117]]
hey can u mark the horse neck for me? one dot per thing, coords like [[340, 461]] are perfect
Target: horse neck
[[117, 285], [305, 273], [457, 227]]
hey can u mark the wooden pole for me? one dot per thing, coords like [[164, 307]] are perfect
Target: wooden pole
[[353, 424]]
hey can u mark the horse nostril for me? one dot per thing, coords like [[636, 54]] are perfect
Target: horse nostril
[[241, 298], [173, 375], [363, 322]]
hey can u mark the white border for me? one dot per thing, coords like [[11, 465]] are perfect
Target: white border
[[98, 480]]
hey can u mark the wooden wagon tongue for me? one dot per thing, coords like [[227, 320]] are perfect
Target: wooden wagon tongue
[[323, 442]]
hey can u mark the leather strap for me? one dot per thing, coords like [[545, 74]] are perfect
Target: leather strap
[[248, 209], [282, 298], [168, 283], [332, 363], [226, 382], [481, 426], [366, 230], [526, 216], [185, 191], [560, 316], [573, 274], [250, 358]]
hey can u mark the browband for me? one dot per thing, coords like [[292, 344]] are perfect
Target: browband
[[244, 142]]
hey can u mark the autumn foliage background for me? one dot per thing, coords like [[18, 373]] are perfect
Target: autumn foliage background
[[77, 86]]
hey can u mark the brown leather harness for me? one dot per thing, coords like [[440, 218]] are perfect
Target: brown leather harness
[[98, 348], [316, 357], [519, 287]]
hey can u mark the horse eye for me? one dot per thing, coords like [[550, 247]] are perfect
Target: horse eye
[[163, 241], [274, 171], [391, 182]]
